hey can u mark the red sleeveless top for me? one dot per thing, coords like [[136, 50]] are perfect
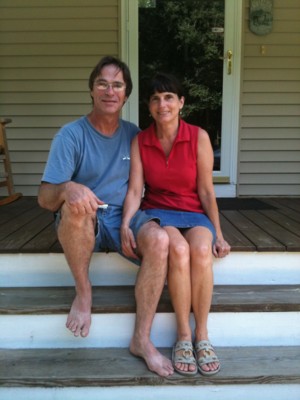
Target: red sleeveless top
[[170, 182]]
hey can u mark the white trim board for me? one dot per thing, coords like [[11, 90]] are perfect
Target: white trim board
[[115, 330], [238, 268], [211, 392]]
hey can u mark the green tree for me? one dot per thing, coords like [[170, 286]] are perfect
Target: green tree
[[177, 36]]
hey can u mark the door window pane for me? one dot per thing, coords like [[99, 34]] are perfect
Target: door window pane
[[185, 38]]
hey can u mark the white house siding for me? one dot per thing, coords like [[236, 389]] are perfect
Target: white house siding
[[269, 146], [47, 51]]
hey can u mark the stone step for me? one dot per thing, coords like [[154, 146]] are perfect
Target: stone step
[[251, 315], [244, 371]]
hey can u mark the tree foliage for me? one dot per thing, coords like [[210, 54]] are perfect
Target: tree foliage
[[177, 36]]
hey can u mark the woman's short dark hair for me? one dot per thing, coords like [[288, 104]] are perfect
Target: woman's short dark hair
[[109, 60], [162, 82]]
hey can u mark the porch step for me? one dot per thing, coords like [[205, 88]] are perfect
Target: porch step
[[254, 324], [115, 366], [250, 315], [238, 268], [120, 299]]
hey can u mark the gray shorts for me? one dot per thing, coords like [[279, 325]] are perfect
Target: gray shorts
[[107, 230]]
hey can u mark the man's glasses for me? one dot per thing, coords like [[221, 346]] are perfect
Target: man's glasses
[[104, 85]]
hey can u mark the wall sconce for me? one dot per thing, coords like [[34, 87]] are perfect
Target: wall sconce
[[261, 16]]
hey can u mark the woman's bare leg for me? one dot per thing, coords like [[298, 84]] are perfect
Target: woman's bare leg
[[179, 284], [200, 242]]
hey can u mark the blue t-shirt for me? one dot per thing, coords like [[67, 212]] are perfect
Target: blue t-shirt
[[81, 154]]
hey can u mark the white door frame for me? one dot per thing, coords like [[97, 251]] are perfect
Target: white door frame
[[225, 179], [130, 54]]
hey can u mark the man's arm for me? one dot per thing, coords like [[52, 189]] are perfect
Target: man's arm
[[51, 196], [78, 197]]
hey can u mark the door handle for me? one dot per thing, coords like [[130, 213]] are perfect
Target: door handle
[[229, 62], [228, 58]]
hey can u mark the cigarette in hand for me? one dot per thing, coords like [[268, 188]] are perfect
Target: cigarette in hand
[[104, 206]]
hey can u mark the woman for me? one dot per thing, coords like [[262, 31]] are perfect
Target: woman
[[174, 160]]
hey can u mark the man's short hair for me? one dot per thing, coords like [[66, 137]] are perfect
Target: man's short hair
[[109, 60]]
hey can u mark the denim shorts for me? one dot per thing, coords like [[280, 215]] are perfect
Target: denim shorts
[[182, 219], [109, 221], [107, 230]]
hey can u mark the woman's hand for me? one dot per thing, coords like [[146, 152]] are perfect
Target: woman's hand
[[128, 242], [221, 248]]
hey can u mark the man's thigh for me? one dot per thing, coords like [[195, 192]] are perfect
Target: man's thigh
[[108, 236], [108, 229]]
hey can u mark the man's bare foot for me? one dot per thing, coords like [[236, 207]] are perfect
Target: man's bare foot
[[155, 361], [79, 318]]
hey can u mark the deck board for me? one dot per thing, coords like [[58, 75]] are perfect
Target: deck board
[[289, 202], [288, 222], [16, 224], [120, 299], [43, 240], [34, 226], [26, 228], [261, 239], [238, 241], [274, 229], [288, 212], [105, 367]]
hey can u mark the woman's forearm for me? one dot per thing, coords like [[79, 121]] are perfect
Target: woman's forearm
[[210, 206], [131, 205]]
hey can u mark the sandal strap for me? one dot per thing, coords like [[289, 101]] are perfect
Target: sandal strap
[[187, 353], [209, 355], [203, 345]]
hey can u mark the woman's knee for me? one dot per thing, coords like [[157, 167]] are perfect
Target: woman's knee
[[180, 251], [202, 254]]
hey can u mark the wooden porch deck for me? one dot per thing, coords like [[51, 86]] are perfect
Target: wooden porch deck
[[264, 224]]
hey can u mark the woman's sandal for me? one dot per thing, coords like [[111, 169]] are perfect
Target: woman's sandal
[[208, 356], [183, 352]]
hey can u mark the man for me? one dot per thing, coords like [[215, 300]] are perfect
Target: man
[[85, 182]]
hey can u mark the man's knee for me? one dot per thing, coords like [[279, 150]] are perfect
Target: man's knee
[[152, 237], [67, 217]]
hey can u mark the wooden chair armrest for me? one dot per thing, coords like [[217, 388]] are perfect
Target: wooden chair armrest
[[5, 121]]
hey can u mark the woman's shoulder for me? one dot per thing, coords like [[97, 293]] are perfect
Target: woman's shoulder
[[191, 132], [146, 135], [196, 129]]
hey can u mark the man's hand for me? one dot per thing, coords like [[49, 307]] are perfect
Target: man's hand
[[80, 199], [128, 242]]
